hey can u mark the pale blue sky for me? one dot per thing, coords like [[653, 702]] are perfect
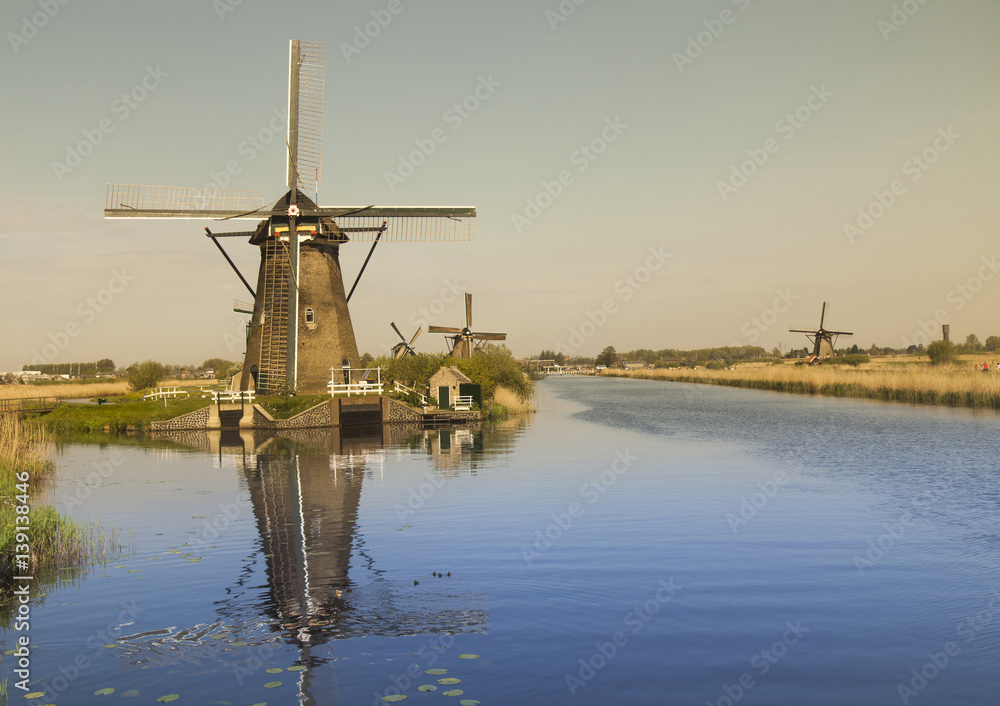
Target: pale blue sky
[[216, 72]]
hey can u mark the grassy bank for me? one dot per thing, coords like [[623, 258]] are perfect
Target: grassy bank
[[958, 386], [505, 403], [85, 418], [54, 544]]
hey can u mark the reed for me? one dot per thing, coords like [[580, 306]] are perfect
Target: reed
[[56, 542], [506, 402], [956, 386]]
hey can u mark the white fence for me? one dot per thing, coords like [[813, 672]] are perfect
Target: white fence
[[400, 387], [161, 393], [231, 396], [348, 382], [463, 403]]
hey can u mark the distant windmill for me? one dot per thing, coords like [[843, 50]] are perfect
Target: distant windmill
[[403, 348], [465, 341], [824, 341], [300, 326]]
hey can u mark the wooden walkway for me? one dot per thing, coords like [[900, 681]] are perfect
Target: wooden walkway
[[29, 405]]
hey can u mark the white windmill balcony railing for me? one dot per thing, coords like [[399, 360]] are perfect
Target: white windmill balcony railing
[[401, 388], [348, 382]]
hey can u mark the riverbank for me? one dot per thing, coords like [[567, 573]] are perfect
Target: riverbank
[[50, 546], [914, 383]]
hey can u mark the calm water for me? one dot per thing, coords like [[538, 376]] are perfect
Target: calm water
[[633, 542]]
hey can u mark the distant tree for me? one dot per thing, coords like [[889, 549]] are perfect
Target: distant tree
[[608, 357], [942, 352], [972, 344], [144, 375], [776, 352], [874, 350], [494, 366], [9, 379], [992, 343], [366, 360], [105, 365]]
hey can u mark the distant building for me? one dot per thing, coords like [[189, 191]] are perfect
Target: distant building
[[445, 385], [634, 365]]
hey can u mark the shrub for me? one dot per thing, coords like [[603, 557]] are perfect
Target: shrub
[[144, 375], [942, 352]]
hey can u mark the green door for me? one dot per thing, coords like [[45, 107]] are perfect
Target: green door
[[444, 399]]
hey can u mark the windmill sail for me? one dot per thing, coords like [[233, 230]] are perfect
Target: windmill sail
[[305, 114]]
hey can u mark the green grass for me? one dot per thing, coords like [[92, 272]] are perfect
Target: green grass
[[117, 417], [288, 407]]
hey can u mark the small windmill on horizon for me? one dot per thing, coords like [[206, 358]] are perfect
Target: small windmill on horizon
[[465, 341], [824, 341], [300, 324]]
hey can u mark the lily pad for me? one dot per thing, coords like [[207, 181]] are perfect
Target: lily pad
[[449, 680], [35, 695], [272, 684], [130, 694], [106, 691], [469, 702], [297, 668], [168, 698], [274, 670], [468, 656], [239, 643], [453, 692], [435, 671], [394, 697], [427, 687]]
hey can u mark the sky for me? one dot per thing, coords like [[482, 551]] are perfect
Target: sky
[[647, 174]]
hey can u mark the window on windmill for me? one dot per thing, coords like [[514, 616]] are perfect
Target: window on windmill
[[310, 317]]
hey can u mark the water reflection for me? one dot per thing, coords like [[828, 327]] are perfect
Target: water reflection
[[305, 489]]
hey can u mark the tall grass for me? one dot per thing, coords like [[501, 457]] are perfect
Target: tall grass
[[956, 386], [506, 402], [83, 390], [56, 542]]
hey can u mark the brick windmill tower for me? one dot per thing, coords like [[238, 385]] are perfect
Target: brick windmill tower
[[300, 326]]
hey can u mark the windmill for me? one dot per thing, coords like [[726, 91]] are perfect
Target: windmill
[[300, 326], [464, 340], [403, 348], [823, 341]]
